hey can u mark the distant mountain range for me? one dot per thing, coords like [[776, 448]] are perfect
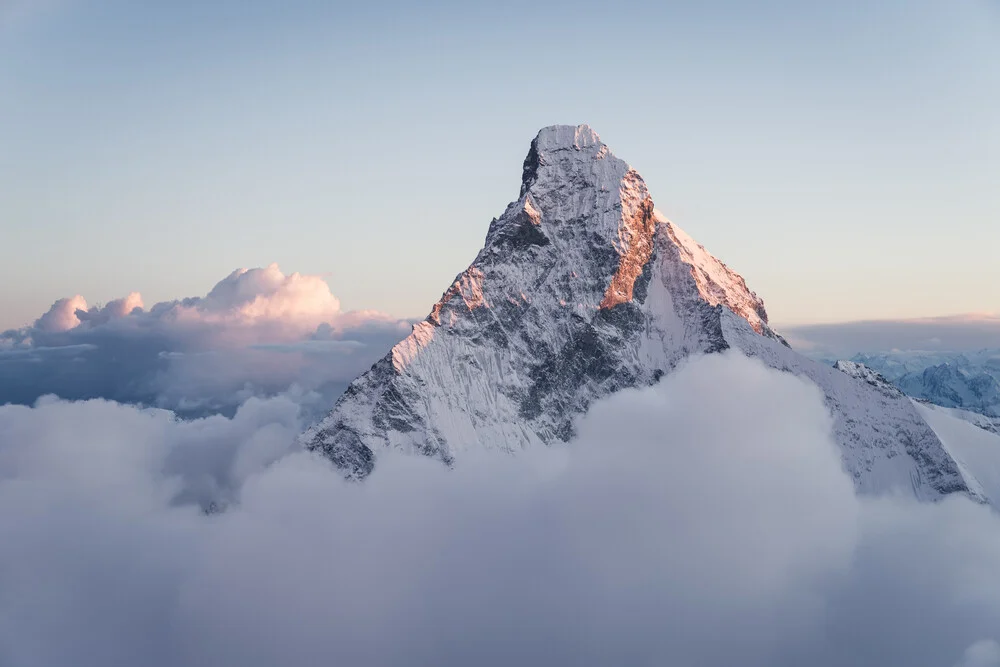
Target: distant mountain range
[[966, 380]]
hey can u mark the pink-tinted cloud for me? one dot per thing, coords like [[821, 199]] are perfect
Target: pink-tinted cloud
[[252, 296], [256, 332], [112, 310], [283, 306], [62, 316]]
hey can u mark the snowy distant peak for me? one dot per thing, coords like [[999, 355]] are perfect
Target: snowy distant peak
[[968, 380], [955, 385]]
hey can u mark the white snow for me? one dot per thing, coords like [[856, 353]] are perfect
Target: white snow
[[976, 450], [967, 380], [582, 290], [717, 284]]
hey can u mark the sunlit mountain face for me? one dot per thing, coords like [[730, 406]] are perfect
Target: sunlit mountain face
[[583, 290], [595, 448]]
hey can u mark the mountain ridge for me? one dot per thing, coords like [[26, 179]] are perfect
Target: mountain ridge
[[582, 289]]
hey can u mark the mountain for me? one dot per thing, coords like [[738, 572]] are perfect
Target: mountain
[[969, 380], [952, 386], [988, 424], [582, 289], [973, 442], [868, 376]]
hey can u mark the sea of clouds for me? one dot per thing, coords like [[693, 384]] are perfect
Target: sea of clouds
[[704, 521]]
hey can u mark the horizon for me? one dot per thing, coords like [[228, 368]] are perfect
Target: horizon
[[819, 339], [984, 316], [310, 355]]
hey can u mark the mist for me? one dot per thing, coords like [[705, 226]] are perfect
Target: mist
[[702, 521]]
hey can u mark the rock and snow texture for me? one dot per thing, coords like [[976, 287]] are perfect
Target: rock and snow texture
[[989, 424], [967, 380], [868, 376], [583, 289], [973, 446], [953, 386]]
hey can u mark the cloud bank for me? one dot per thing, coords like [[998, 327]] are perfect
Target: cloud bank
[[960, 333], [258, 332], [703, 521]]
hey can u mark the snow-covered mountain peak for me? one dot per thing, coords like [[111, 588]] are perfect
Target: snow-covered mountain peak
[[559, 151], [581, 290], [564, 137]]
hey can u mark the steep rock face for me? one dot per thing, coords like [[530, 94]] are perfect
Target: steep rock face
[[582, 289]]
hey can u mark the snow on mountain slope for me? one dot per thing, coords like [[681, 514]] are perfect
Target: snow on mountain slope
[[952, 386], [583, 289], [884, 441], [990, 424], [967, 380], [868, 376], [974, 449]]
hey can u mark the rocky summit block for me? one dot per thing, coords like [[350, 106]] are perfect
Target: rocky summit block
[[582, 289]]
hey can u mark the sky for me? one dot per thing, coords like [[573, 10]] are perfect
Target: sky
[[841, 156]]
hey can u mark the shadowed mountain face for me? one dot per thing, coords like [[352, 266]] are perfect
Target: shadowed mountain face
[[582, 289]]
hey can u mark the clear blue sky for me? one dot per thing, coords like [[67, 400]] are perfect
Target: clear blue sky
[[843, 156]]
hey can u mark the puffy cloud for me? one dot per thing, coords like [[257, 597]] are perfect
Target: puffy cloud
[[984, 653], [111, 310], [257, 332], [62, 316], [704, 521], [268, 294]]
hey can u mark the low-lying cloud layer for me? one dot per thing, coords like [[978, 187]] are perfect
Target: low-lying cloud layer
[[258, 332], [704, 521], [961, 333]]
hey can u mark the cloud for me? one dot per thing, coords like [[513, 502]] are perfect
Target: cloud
[[256, 333], [246, 300], [62, 316], [954, 334], [704, 521], [985, 653]]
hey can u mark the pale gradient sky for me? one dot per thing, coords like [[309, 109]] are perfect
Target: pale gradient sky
[[844, 157]]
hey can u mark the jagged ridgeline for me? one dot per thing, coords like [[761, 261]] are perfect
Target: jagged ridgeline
[[583, 289]]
